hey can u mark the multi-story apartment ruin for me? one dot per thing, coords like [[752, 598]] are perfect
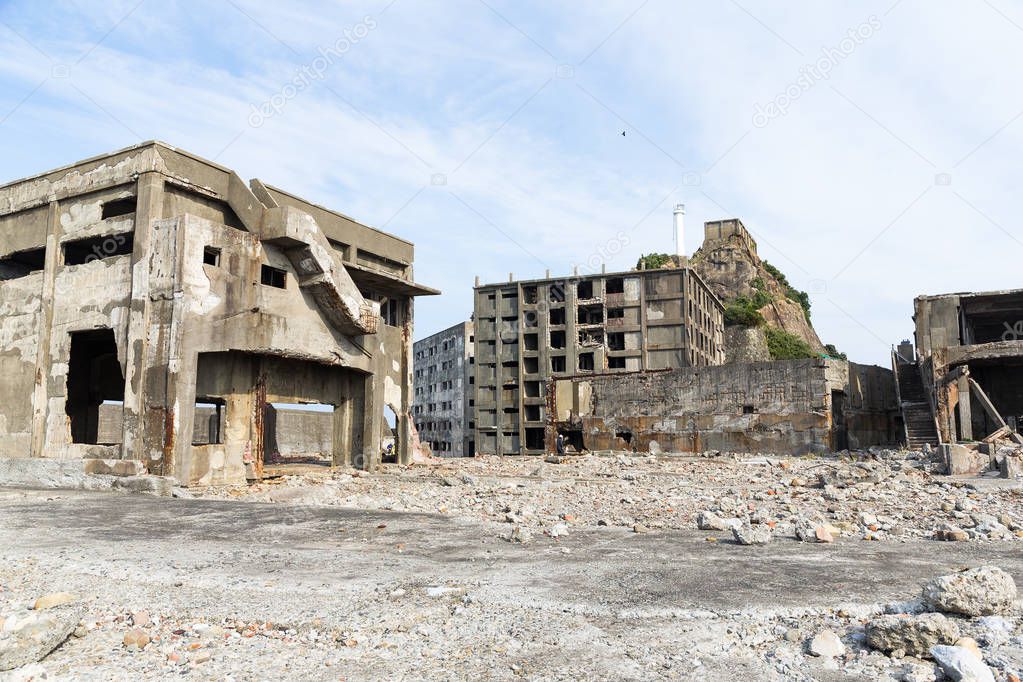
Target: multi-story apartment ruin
[[528, 332], [156, 281], [444, 397]]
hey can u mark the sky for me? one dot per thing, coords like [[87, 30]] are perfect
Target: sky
[[871, 148]]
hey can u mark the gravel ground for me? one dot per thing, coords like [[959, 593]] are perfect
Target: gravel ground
[[409, 573]]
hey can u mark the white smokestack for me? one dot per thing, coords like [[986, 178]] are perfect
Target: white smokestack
[[680, 230]]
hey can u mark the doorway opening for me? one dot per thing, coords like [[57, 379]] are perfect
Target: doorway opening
[[94, 376]]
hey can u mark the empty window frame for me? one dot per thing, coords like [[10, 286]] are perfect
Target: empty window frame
[[273, 277], [615, 285], [119, 207], [211, 256], [557, 363], [557, 339], [584, 290], [90, 249], [585, 362], [22, 263], [557, 316]]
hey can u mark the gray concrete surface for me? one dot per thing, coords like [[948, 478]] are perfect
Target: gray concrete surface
[[214, 559]]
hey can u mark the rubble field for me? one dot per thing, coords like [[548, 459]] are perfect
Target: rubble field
[[606, 567], [886, 496]]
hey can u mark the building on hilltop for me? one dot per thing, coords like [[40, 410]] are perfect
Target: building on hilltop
[[157, 282], [530, 331], [443, 391]]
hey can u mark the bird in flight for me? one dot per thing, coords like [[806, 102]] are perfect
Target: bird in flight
[[623, 133]]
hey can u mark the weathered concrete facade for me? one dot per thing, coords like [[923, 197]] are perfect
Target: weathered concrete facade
[[785, 407], [444, 391], [970, 360], [529, 331], [158, 280]]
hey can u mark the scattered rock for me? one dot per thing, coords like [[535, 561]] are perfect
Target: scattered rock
[[640, 528], [136, 639], [520, 534], [29, 636], [826, 644], [951, 533], [811, 531], [961, 665], [54, 599], [707, 520], [558, 530], [915, 635], [747, 534], [983, 591]]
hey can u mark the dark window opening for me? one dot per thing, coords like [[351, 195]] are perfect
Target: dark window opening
[[531, 365], [94, 376], [625, 435], [584, 290], [534, 439], [211, 256], [273, 277], [556, 293], [22, 263], [590, 314], [531, 341], [615, 285], [529, 295], [616, 363], [615, 313], [208, 421], [616, 341], [557, 316], [390, 312], [91, 249], [558, 363], [557, 339], [591, 337], [532, 413], [532, 389], [119, 207], [748, 409], [586, 362]]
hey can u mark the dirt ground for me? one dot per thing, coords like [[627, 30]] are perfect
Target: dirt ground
[[593, 568]]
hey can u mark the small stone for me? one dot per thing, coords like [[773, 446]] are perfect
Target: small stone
[[961, 664], [136, 639], [983, 591], [520, 534], [970, 644], [55, 599], [640, 528], [558, 530], [708, 520], [792, 635], [951, 533], [140, 619], [827, 644]]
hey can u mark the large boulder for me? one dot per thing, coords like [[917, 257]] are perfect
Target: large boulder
[[914, 635], [747, 534], [983, 591]]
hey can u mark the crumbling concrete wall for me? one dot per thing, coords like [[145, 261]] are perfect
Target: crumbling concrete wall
[[779, 407], [167, 255]]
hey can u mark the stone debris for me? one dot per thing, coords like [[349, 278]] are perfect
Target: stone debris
[[912, 635], [748, 534], [980, 591], [808, 530], [54, 599], [827, 644], [28, 636], [961, 664], [896, 493]]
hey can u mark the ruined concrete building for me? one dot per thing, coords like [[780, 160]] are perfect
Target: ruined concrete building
[[444, 383], [156, 281], [966, 382], [530, 331], [798, 407]]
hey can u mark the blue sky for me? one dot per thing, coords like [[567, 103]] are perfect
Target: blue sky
[[872, 148]]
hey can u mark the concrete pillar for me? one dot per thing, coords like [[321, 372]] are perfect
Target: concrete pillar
[[373, 415], [965, 409], [41, 394], [149, 208]]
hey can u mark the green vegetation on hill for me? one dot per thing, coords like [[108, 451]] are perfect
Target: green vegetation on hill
[[745, 311], [653, 261], [792, 293], [785, 346], [834, 352]]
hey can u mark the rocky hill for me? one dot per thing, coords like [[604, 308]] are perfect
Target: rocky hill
[[765, 316]]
